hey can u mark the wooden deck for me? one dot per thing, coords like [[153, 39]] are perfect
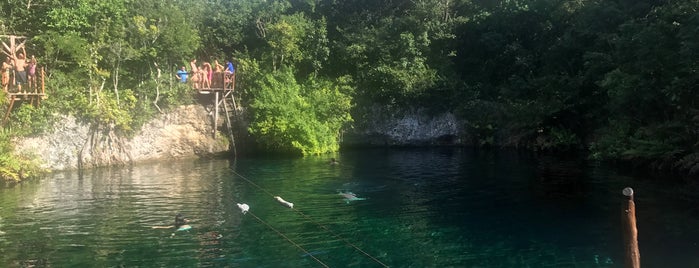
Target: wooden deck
[[34, 98], [33, 95]]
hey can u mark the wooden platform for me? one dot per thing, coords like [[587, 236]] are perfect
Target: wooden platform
[[222, 87], [32, 95], [34, 98]]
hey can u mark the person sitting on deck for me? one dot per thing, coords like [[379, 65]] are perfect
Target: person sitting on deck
[[6, 68], [182, 75]]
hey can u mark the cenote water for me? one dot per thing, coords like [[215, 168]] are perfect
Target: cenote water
[[421, 208]]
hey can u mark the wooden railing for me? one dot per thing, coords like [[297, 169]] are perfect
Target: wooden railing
[[32, 93]]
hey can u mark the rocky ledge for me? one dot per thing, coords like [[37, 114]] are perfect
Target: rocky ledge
[[181, 133], [415, 127]]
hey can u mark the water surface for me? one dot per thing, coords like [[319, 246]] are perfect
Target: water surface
[[422, 208]]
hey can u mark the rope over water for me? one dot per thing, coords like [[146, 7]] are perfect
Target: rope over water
[[288, 239], [313, 221], [245, 209]]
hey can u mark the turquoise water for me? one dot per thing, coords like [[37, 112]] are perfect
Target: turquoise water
[[421, 208]]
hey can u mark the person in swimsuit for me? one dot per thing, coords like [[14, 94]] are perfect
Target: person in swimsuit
[[206, 73], [196, 79], [31, 74], [6, 68], [218, 68], [20, 64]]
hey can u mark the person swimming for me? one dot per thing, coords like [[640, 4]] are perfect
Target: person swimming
[[350, 196], [180, 224], [333, 161]]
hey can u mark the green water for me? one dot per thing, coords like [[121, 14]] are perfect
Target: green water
[[422, 208]]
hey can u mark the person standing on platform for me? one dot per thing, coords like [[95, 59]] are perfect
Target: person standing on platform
[[229, 68], [182, 75], [20, 64], [230, 75], [207, 72], [218, 68], [31, 74], [6, 68], [196, 79]]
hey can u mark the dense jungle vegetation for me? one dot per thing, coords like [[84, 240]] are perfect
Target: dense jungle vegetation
[[616, 78]]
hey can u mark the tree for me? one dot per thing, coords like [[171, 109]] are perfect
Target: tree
[[299, 118]]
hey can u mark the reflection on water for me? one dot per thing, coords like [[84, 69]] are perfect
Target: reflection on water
[[413, 208]]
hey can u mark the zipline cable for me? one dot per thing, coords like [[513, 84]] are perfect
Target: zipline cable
[[246, 210], [288, 239], [311, 220], [340, 237]]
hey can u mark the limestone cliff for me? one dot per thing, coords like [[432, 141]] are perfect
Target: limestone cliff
[[181, 133], [187, 132], [411, 127]]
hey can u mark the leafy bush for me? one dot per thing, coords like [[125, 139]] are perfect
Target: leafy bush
[[28, 119], [304, 119], [13, 166]]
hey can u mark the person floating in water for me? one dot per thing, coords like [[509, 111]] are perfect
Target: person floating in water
[[350, 196], [180, 224], [333, 161]]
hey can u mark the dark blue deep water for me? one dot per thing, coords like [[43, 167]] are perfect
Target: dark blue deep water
[[445, 207]]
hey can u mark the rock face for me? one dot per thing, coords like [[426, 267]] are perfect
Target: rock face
[[188, 132], [406, 128], [181, 133]]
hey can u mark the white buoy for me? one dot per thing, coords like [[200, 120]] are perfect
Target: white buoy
[[244, 208], [284, 202]]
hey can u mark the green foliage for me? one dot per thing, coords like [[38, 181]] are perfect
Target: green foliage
[[652, 98], [389, 58], [65, 95], [557, 138], [178, 94], [13, 166], [304, 119], [284, 38], [616, 76], [108, 112], [404, 73], [28, 120]]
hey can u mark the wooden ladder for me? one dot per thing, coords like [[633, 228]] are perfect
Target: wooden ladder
[[228, 101]]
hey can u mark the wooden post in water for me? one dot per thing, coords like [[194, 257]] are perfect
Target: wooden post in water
[[632, 255]]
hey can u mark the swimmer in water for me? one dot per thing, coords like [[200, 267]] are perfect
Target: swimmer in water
[[180, 224], [333, 162]]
